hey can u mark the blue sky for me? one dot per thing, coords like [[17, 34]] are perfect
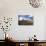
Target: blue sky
[[25, 17]]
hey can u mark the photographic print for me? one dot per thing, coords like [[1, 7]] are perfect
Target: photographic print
[[25, 20]]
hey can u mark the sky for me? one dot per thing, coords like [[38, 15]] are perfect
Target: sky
[[25, 17]]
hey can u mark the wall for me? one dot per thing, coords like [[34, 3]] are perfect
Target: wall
[[45, 28], [12, 8]]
